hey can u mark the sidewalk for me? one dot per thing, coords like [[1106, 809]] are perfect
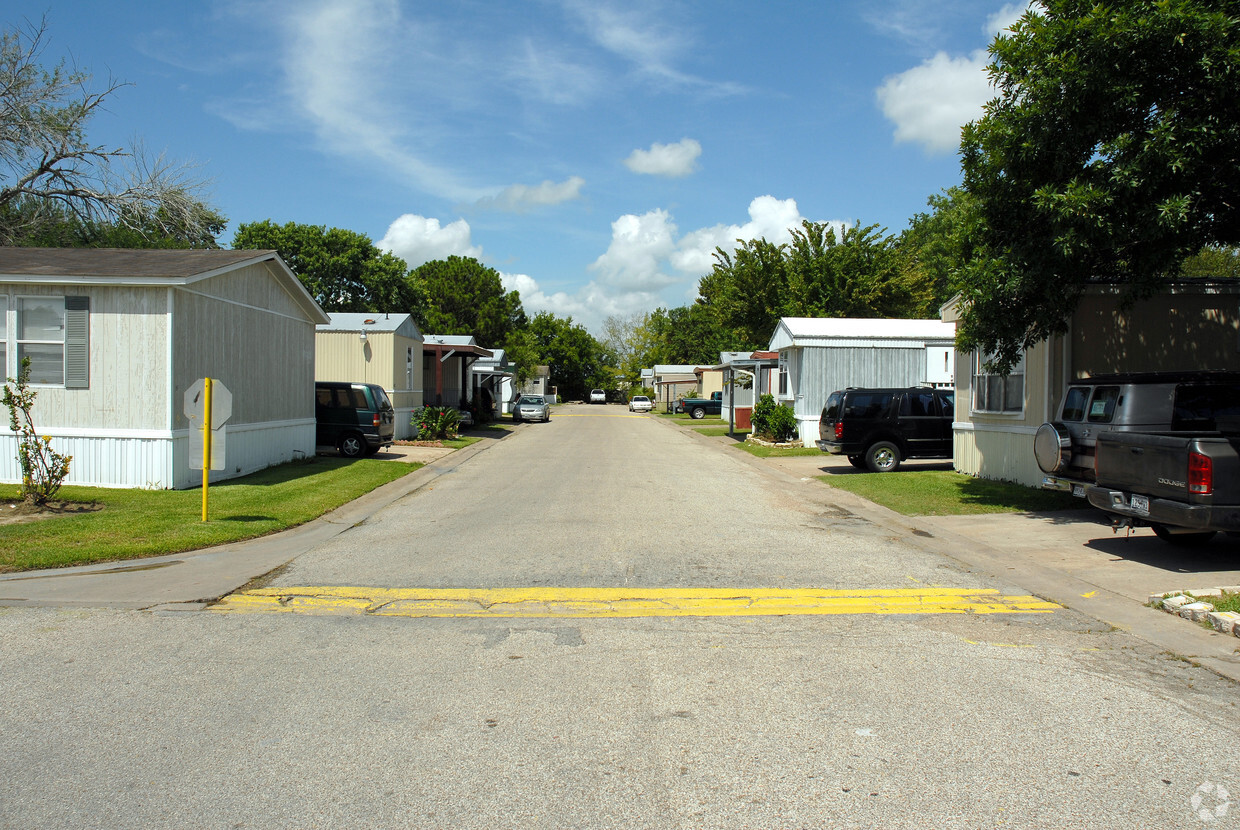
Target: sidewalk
[[1070, 557]]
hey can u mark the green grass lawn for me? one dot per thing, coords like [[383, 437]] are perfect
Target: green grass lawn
[[134, 523], [945, 493]]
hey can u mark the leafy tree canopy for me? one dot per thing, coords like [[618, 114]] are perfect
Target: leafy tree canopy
[[467, 297], [342, 270], [1112, 152], [49, 170], [577, 361], [32, 225]]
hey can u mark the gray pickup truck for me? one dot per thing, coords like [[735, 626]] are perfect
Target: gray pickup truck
[[1185, 486]]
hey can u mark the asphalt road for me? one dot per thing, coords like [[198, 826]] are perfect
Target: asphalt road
[[301, 718]]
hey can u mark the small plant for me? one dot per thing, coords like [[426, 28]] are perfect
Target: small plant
[[436, 422], [773, 421], [43, 469]]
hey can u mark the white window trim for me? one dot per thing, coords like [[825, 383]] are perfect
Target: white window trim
[[16, 342], [976, 373]]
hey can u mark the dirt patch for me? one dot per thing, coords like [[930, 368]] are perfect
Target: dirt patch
[[418, 443], [14, 513]]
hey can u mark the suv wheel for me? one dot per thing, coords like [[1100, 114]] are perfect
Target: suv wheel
[[883, 457], [352, 445]]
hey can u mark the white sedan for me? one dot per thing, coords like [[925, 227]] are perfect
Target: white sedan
[[640, 403]]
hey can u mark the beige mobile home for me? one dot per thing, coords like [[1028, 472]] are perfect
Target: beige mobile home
[[1191, 325], [115, 337], [369, 347]]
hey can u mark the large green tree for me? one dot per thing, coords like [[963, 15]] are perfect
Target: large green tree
[[49, 169], [576, 359], [467, 297], [342, 269], [1111, 152], [34, 225]]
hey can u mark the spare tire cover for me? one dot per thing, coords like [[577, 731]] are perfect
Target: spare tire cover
[[1052, 447]]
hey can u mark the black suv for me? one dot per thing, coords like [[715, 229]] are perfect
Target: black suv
[[355, 418], [878, 428]]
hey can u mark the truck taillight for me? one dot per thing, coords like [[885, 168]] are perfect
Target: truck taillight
[[376, 419], [1200, 474], [839, 430]]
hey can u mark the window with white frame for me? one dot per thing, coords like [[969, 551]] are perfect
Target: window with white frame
[[41, 338], [53, 333], [993, 392]]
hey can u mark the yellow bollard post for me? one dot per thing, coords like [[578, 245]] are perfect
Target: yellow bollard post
[[206, 442]]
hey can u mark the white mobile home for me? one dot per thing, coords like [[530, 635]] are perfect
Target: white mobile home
[[1191, 325], [115, 337], [817, 356]]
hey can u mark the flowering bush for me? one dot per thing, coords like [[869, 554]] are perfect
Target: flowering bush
[[436, 422], [43, 469]]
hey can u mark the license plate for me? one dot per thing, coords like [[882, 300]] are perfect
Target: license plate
[[1139, 504], [1078, 490]]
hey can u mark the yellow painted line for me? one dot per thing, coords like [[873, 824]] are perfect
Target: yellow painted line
[[626, 602]]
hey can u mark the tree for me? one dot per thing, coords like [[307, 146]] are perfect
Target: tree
[[48, 168], [745, 291], [467, 297], [342, 269], [855, 274], [631, 346], [933, 249], [692, 334], [1112, 152], [39, 226], [575, 358]]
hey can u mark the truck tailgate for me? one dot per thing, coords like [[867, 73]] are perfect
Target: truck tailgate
[[1155, 464]]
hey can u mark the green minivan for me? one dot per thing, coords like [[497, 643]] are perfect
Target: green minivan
[[355, 418]]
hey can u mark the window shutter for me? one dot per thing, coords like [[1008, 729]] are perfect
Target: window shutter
[[77, 342]]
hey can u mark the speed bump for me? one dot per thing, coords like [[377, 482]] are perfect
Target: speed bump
[[626, 602]]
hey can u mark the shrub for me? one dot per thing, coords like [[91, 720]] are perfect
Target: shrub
[[436, 422], [773, 421], [43, 469]]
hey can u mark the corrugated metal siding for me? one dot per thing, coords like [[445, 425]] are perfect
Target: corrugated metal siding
[[248, 449], [997, 454], [817, 372], [101, 462]]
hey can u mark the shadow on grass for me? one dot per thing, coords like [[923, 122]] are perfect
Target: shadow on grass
[[290, 471], [247, 519]]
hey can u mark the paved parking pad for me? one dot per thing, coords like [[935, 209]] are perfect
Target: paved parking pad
[[625, 602]]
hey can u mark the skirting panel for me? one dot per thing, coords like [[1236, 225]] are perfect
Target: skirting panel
[[160, 462]]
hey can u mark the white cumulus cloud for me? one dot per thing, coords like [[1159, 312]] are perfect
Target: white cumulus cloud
[[639, 244], [929, 104], [649, 264], [769, 218], [518, 198], [671, 160], [419, 239]]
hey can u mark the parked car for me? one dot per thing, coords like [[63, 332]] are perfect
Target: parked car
[[1132, 402], [699, 408], [640, 403], [878, 428], [598, 396], [355, 418], [531, 408]]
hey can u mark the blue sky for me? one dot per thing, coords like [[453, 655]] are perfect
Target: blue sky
[[593, 152]]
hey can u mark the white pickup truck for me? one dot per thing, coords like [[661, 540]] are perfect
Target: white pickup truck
[[598, 396]]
